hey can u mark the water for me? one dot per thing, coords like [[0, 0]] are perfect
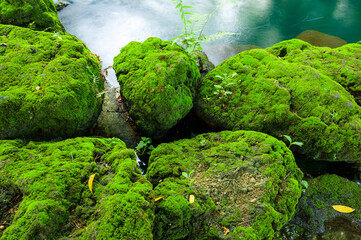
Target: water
[[107, 25]]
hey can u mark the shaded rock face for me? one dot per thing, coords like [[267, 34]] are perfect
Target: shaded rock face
[[38, 15], [48, 85], [157, 82], [114, 120], [320, 39], [51, 180], [342, 64], [245, 184], [315, 212], [255, 90]]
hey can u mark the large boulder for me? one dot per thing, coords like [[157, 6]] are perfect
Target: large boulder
[[38, 15], [48, 85], [258, 91], [315, 210], [245, 185], [158, 80], [342, 64], [48, 187]]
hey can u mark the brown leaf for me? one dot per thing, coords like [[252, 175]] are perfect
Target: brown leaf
[[253, 200]]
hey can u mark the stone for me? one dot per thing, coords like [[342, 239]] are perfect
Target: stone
[[245, 185], [38, 15], [158, 80], [320, 39], [258, 91], [48, 85]]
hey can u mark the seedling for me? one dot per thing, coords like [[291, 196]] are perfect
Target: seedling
[[291, 142], [144, 146]]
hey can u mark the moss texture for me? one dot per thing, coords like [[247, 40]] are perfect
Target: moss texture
[[246, 184], [315, 206], [38, 15], [48, 85], [262, 92], [52, 180], [157, 81], [342, 64]]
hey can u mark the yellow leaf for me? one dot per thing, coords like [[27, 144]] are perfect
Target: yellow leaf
[[191, 198], [90, 183], [157, 199], [225, 230], [343, 209]]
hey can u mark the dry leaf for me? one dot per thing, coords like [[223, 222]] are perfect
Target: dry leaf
[[343, 209], [191, 198], [90, 183], [225, 230], [157, 199], [253, 200], [37, 88]]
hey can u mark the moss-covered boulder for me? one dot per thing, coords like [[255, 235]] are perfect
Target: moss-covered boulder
[[315, 209], [47, 184], [38, 15], [256, 90], [342, 64], [158, 80], [244, 184], [48, 85]]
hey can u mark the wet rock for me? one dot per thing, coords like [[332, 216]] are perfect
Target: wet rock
[[320, 39], [56, 201], [255, 90], [245, 184], [114, 120], [158, 80], [38, 15], [48, 85], [204, 65], [315, 212], [60, 5]]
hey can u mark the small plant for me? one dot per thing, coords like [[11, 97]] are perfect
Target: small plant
[[188, 176], [291, 142], [333, 114], [221, 89], [144, 146], [304, 183], [192, 36]]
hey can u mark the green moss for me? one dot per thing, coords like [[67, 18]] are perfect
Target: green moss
[[243, 181], [48, 85], [38, 15], [315, 206], [342, 64], [157, 81], [53, 180], [277, 97]]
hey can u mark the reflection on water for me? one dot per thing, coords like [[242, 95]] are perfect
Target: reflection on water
[[107, 25]]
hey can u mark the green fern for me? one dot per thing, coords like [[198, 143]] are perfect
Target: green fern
[[192, 35]]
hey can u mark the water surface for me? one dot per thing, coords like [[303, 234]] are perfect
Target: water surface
[[107, 25]]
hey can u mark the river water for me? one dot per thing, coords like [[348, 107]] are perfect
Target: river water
[[107, 25]]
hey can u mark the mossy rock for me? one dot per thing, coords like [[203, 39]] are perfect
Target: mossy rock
[[342, 64], [51, 185], [48, 85], [315, 209], [38, 15], [258, 91], [245, 184], [158, 80]]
